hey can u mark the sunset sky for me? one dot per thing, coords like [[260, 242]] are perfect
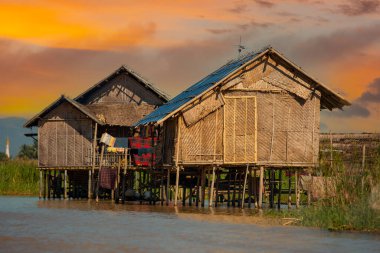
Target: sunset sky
[[49, 48]]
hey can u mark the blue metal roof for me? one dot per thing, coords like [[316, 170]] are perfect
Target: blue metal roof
[[198, 88]]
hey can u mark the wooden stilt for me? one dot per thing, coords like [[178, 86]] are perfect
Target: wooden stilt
[[279, 189], [65, 185], [234, 189], [89, 184], [240, 188], [41, 185], [212, 187], [44, 184], [184, 192], [168, 188], [309, 191], [296, 185], [93, 160], [54, 182], [198, 189], [290, 189], [162, 187], [249, 187], [244, 185], [217, 187], [100, 169], [191, 190], [203, 187], [176, 186], [261, 187], [48, 184], [229, 188], [254, 186]]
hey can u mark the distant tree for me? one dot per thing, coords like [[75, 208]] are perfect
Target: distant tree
[[28, 151], [3, 156]]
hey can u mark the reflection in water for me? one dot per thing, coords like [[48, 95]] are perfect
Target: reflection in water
[[32, 225]]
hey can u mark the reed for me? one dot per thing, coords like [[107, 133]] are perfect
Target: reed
[[19, 177]]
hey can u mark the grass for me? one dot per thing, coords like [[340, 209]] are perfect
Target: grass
[[19, 177]]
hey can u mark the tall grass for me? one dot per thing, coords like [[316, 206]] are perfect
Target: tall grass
[[350, 207], [19, 177]]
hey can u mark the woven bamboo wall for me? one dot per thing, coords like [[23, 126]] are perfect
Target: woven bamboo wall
[[123, 88], [64, 138]]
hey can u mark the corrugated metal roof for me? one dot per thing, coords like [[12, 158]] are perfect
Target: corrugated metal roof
[[198, 88]]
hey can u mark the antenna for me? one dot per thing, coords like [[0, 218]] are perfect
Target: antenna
[[240, 47]]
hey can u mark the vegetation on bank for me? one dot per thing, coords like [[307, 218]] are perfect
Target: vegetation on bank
[[19, 177]]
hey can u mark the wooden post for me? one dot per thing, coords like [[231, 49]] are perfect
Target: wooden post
[[234, 190], [228, 188], [191, 190], [279, 189], [255, 193], [176, 186], [203, 187], [290, 189], [93, 159], [89, 184], [48, 183], [261, 186], [244, 185], [184, 192], [217, 187], [117, 184], [162, 187], [212, 187], [197, 189], [296, 185], [168, 188], [250, 188], [41, 184], [100, 168], [65, 185]]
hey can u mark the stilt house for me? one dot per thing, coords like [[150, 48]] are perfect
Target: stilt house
[[260, 109], [68, 129]]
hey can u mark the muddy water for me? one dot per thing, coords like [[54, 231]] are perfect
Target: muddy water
[[32, 225]]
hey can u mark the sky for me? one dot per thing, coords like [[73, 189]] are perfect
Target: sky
[[49, 48]]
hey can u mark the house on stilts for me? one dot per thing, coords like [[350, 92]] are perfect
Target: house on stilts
[[240, 130], [69, 131]]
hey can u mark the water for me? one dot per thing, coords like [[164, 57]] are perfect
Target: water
[[32, 225]]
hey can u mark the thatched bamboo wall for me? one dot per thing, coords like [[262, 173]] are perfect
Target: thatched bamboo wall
[[265, 116], [64, 136]]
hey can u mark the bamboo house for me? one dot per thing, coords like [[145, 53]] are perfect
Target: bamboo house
[[260, 112], [69, 129]]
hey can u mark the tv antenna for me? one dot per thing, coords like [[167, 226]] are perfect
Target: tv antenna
[[240, 47]]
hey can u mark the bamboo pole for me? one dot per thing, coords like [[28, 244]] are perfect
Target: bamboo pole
[[255, 193], [296, 185], [41, 185], [65, 185], [89, 184], [212, 187], [176, 160], [261, 186], [100, 169], [290, 190], [279, 189], [203, 187], [244, 185], [168, 188], [93, 158], [217, 187]]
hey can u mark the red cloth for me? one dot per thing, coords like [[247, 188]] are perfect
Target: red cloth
[[141, 142], [108, 178]]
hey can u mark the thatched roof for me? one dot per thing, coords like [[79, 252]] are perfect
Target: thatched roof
[[124, 69], [329, 98], [34, 121]]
